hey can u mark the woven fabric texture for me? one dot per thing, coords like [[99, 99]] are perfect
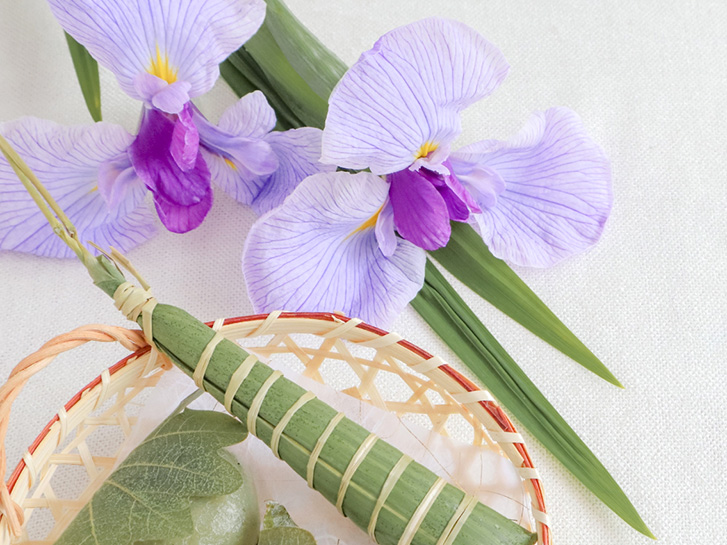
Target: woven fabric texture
[[648, 79]]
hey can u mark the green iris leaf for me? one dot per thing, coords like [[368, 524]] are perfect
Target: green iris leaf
[[451, 318], [469, 260], [87, 73]]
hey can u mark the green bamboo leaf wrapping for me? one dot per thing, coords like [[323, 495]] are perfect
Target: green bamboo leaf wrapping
[[87, 73], [453, 320], [184, 338], [469, 260]]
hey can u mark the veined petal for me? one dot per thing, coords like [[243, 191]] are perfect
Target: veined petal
[[557, 189], [232, 178], [401, 100], [119, 185], [313, 253], [175, 40], [67, 161], [251, 116], [239, 157], [298, 152]]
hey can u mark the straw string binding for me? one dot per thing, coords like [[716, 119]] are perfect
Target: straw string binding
[[460, 516], [206, 356], [315, 454], [237, 379], [278, 430], [257, 401], [358, 457], [541, 517], [421, 512], [391, 479], [133, 301]]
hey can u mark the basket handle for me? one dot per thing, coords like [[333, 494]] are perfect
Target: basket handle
[[132, 340]]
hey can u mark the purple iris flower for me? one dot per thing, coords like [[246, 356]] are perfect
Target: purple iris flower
[[163, 53], [537, 198]]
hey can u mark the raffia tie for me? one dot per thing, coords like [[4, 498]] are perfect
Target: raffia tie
[[133, 301]]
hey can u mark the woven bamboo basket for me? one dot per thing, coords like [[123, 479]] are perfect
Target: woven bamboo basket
[[427, 389]]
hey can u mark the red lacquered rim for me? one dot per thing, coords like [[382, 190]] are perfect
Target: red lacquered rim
[[492, 408]]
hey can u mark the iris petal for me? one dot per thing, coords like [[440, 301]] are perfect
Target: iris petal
[[557, 189], [250, 116], [309, 255], [298, 151], [236, 150], [407, 92], [185, 140], [67, 161], [184, 196], [385, 231], [182, 218], [421, 214], [179, 40]]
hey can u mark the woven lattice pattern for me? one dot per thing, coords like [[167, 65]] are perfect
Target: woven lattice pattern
[[357, 359]]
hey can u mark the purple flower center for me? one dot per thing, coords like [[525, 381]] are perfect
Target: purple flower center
[[425, 201], [165, 155]]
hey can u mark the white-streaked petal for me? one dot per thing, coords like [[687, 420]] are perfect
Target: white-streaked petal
[[67, 161], [298, 152], [557, 189], [318, 252], [404, 95], [176, 40]]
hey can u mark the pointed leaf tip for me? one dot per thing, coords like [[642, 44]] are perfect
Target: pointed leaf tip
[[450, 317], [469, 260]]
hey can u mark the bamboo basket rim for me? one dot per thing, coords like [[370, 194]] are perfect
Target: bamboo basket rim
[[134, 339]]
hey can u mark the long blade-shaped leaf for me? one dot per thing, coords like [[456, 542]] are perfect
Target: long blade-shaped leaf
[[467, 258], [312, 60], [87, 73], [262, 61], [450, 317]]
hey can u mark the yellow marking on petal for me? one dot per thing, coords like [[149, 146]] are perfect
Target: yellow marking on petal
[[368, 224], [424, 151], [230, 164], [94, 188], [161, 68]]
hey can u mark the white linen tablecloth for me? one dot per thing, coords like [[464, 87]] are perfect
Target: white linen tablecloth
[[649, 80]]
